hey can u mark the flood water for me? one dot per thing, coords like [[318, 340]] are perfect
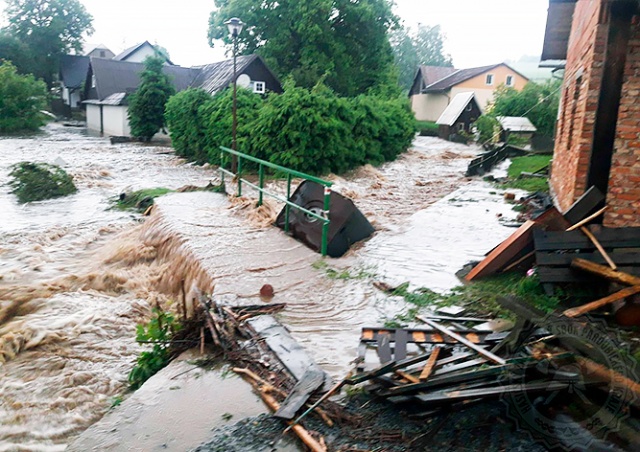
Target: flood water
[[76, 276]]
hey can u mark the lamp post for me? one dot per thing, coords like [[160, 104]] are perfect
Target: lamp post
[[235, 27]]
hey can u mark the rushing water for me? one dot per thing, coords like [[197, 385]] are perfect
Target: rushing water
[[76, 276]]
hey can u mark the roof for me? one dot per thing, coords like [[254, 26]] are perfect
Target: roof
[[113, 76], [73, 70], [431, 74], [558, 30], [96, 47], [217, 76], [516, 124], [462, 75], [128, 52], [451, 114], [114, 99]]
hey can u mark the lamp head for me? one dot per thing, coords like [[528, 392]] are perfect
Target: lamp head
[[235, 26]]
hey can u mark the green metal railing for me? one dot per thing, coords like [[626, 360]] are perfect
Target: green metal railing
[[323, 216]]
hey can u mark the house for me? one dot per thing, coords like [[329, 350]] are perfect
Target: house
[[459, 116], [597, 42], [434, 87], [100, 51], [72, 75], [109, 83], [516, 127], [139, 52]]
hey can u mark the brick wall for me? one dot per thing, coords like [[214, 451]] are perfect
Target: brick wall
[[579, 103], [623, 197]]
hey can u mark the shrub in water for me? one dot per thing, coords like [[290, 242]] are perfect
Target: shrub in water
[[31, 181]]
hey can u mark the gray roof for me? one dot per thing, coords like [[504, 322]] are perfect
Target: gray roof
[[217, 76], [453, 111], [516, 124], [558, 30], [431, 74], [73, 70], [462, 75], [114, 99], [113, 76]]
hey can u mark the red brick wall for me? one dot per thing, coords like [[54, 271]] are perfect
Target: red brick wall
[[623, 196], [579, 102]]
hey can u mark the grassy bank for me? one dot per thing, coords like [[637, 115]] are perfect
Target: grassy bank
[[527, 164]]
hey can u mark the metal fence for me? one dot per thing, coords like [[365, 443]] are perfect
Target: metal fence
[[262, 164]]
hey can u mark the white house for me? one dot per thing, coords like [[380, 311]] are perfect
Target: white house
[[139, 52]]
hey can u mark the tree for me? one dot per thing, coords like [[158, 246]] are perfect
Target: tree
[[17, 52], [49, 28], [21, 99], [342, 40], [147, 104], [538, 102], [424, 47]]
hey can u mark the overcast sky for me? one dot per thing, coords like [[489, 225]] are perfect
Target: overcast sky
[[479, 32]]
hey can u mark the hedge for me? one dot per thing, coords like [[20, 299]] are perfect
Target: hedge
[[313, 131]]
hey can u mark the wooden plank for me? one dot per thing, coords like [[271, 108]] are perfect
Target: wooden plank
[[400, 346], [431, 362], [601, 250], [588, 203], [584, 221], [622, 258], [552, 220], [624, 293], [576, 240], [384, 348], [410, 378], [308, 384], [605, 272], [505, 252], [426, 336], [565, 275]]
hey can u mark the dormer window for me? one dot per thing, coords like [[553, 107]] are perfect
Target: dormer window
[[509, 81], [489, 79]]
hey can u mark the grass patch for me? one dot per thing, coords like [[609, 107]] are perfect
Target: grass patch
[[480, 297], [347, 273], [141, 199], [31, 181], [427, 128], [528, 164]]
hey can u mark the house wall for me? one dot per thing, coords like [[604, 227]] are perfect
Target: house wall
[[116, 122], [429, 107], [573, 153], [484, 92], [139, 55], [623, 195]]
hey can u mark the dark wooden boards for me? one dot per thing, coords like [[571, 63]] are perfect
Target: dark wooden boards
[[426, 336], [312, 379], [589, 202]]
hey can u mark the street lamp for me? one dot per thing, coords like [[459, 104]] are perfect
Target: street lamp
[[235, 27]]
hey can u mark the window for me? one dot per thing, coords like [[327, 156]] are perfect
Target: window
[[93, 81], [102, 54], [259, 87], [489, 79], [509, 80]]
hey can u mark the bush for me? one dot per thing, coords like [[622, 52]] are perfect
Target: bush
[[186, 127], [37, 181], [21, 100], [488, 128], [313, 131]]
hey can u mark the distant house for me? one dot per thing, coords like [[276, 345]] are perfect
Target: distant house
[[100, 51], [139, 52], [459, 116], [435, 87], [72, 75], [109, 83], [598, 131], [513, 126]]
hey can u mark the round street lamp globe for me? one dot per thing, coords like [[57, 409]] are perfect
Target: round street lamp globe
[[235, 26]]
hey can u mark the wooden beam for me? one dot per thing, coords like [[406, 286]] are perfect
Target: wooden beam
[[606, 272], [462, 340], [599, 246], [431, 362], [624, 293]]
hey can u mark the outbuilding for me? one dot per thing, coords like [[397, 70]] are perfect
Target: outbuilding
[[457, 119]]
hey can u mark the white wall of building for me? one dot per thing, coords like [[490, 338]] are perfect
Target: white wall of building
[[114, 120], [93, 117], [483, 96], [429, 107], [139, 55]]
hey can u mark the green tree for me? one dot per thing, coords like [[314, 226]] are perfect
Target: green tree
[[21, 99], [49, 28], [147, 104], [412, 49], [343, 40], [14, 50], [537, 101]]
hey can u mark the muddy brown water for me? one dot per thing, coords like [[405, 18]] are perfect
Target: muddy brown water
[[76, 277]]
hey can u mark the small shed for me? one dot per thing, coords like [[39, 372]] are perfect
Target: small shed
[[518, 128], [459, 116]]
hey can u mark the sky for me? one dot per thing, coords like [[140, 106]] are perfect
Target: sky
[[478, 32]]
